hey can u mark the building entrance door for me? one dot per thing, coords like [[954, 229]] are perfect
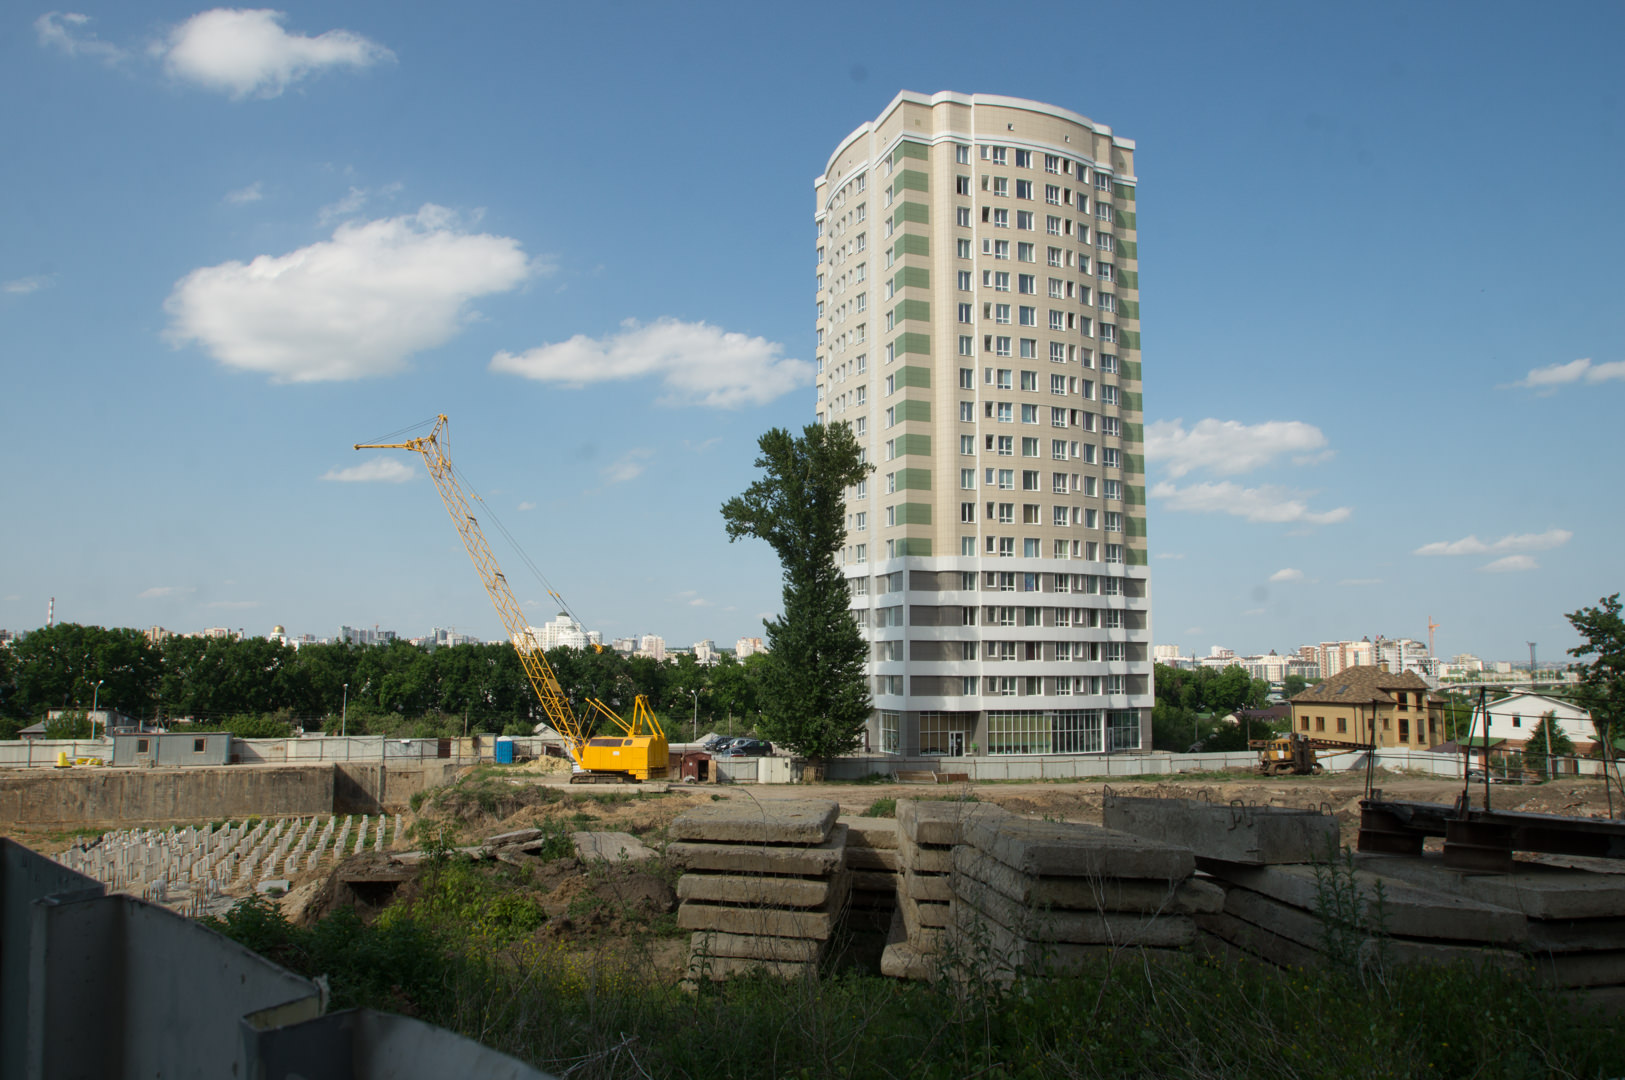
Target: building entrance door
[[956, 744]]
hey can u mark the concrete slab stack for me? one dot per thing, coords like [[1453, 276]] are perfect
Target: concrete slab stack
[[927, 832], [763, 887], [1035, 896], [1573, 910]]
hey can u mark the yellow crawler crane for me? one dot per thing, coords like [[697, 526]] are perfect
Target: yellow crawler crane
[[638, 751]]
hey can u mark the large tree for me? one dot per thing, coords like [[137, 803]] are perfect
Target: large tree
[[814, 697], [1548, 731], [1602, 681]]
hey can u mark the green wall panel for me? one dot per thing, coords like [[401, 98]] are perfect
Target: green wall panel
[[1124, 219], [910, 180], [912, 343], [1128, 249], [1134, 433], [1131, 370], [912, 409], [918, 213], [1123, 191], [1134, 557], [1133, 402], [914, 546], [912, 375], [914, 514], [913, 444], [1129, 309], [912, 309], [1133, 494], [1130, 339], [913, 479], [1133, 526], [1129, 279], [1134, 463], [911, 277], [911, 244], [910, 149]]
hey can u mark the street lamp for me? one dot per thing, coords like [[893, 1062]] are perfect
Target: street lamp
[[95, 699], [344, 712]]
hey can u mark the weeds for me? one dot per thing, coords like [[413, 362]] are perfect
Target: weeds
[[881, 808]]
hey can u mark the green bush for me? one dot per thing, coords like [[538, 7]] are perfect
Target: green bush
[[881, 808]]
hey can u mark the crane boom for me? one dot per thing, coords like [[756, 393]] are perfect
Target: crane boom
[[643, 740]]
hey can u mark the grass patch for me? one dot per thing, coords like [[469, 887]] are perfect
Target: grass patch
[[881, 808]]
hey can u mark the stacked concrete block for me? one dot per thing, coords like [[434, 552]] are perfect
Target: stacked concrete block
[[763, 887], [1573, 912], [1233, 833], [1037, 896], [1294, 914], [927, 833], [874, 867]]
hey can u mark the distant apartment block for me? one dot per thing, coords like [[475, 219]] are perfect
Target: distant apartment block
[[653, 646], [748, 646]]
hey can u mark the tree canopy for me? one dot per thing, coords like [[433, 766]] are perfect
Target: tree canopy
[[815, 699], [1602, 681]]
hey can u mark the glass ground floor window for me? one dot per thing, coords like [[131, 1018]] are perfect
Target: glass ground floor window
[[1046, 731], [946, 733], [1124, 728], [889, 742]]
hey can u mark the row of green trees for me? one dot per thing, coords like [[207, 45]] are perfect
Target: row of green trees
[[260, 686], [1191, 704]]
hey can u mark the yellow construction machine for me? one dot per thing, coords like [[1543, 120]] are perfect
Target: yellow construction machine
[[1293, 754], [636, 750]]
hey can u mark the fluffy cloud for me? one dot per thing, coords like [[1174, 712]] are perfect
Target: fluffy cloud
[[246, 53], [1266, 504], [1287, 574], [699, 364], [1516, 542], [1511, 564], [67, 32], [24, 285], [251, 193], [347, 308], [1229, 447], [526, 506], [378, 470], [1552, 376], [629, 467]]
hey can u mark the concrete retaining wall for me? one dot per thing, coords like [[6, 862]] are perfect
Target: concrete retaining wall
[[130, 796], [1044, 767]]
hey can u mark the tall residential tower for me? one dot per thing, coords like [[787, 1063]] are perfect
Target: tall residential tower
[[978, 326]]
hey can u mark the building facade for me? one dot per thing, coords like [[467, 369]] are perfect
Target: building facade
[[1369, 705], [1513, 717], [978, 327]]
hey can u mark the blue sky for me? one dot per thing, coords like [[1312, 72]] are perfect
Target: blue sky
[[1384, 346]]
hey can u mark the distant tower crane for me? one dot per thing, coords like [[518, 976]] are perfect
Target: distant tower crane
[[1432, 626], [639, 752]]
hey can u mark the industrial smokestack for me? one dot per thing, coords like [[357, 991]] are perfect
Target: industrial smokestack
[[50, 613]]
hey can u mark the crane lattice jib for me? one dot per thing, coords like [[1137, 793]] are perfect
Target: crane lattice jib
[[537, 669]]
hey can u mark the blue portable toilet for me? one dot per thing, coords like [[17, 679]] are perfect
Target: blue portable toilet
[[504, 751]]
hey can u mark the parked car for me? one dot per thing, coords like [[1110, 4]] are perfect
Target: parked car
[[717, 743], [746, 748]]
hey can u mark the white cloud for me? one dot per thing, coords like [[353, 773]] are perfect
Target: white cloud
[[24, 285], [699, 364], [1356, 581], [1229, 447], [1472, 545], [699, 601], [251, 193], [378, 470], [1266, 504], [1288, 574], [629, 467], [1511, 564], [526, 506], [68, 32], [351, 307], [158, 592], [246, 53], [353, 201], [1549, 378]]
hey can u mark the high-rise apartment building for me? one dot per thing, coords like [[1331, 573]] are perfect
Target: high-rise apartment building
[[978, 326]]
